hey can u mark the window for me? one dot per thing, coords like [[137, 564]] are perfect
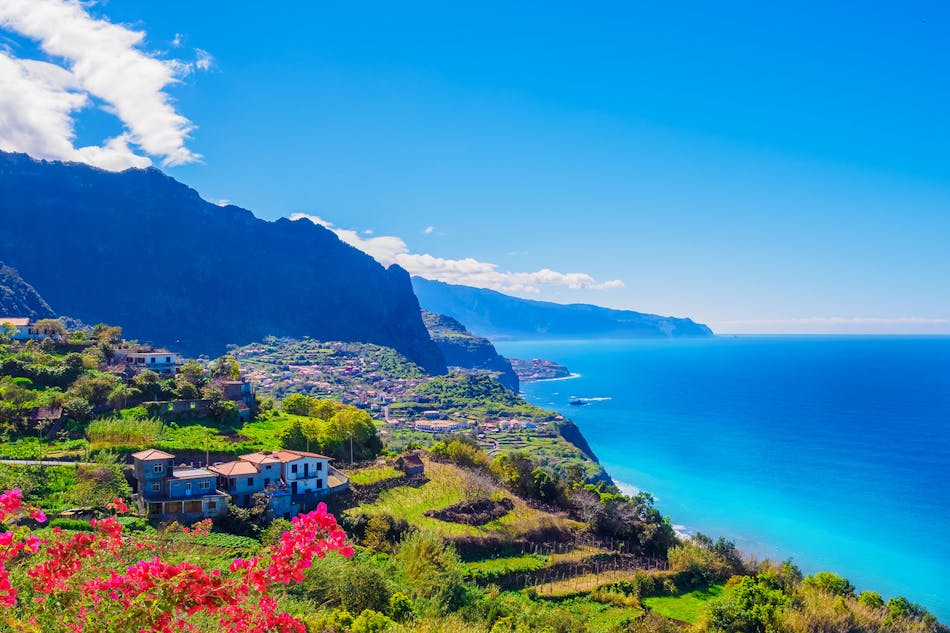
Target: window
[[204, 485], [188, 488], [293, 468], [159, 468], [319, 465], [266, 482], [319, 483], [156, 486], [232, 482], [212, 504], [151, 359], [250, 481], [168, 359]]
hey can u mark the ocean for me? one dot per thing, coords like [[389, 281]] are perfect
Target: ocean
[[831, 451]]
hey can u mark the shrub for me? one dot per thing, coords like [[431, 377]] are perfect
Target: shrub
[[431, 569], [363, 588], [400, 607], [829, 583], [370, 621], [72, 524], [93, 581]]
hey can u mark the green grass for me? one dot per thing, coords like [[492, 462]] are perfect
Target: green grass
[[495, 567], [33, 448], [599, 617], [685, 607], [368, 476], [112, 432], [448, 485]]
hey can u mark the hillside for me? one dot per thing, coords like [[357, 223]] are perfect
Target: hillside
[[499, 316], [463, 349], [18, 298], [144, 251]]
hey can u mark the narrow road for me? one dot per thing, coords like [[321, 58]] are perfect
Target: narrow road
[[43, 462]]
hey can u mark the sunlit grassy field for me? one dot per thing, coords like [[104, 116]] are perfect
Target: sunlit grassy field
[[448, 485], [685, 607]]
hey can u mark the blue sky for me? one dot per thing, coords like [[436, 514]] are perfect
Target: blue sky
[[762, 167]]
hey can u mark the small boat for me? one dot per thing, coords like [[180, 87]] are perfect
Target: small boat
[[578, 403]]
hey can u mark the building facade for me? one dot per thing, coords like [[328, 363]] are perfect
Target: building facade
[[166, 492]]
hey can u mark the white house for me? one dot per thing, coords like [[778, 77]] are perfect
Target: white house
[[159, 361], [304, 472], [25, 329]]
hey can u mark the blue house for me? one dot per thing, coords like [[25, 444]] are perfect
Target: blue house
[[167, 492]]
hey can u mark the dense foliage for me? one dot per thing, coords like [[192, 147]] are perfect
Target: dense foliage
[[340, 431], [103, 580]]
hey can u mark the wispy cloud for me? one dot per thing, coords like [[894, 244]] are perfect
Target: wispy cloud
[[389, 250], [88, 57], [428, 230], [203, 59]]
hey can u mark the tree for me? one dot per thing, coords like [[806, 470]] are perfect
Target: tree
[[226, 367], [829, 583], [193, 373], [753, 606], [186, 390], [297, 404], [95, 389], [119, 396], [149, 383], [871, 599], [109, 334], [53, 327]]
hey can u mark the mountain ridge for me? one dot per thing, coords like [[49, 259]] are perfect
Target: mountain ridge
[[18, 298], [139, 249], [495, 315]]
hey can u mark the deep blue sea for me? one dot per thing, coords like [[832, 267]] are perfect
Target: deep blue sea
[[832, 451]]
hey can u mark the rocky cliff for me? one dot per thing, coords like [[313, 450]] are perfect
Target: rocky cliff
[[500, 316], [20, 299], [143, 251], [463, 349]]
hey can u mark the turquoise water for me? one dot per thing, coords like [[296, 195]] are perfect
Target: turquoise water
[[834, 451]]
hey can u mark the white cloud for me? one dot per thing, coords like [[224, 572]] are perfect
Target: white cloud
[[428, 230], [388, 250], [39, 98], [203, 59], [179, 38]]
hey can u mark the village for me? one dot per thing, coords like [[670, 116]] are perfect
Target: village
[[287, 482]]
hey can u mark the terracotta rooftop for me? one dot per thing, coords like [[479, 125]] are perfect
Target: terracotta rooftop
[[259, 458], [237, 467], [16, 321], [152, 454], [290, 456]]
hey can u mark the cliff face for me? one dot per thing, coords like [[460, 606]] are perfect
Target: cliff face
[[20, 299], [463, 349], [141, 250], [499, 316]]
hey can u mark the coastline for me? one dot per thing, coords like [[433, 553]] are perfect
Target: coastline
[[676, 412], [571, 377]]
